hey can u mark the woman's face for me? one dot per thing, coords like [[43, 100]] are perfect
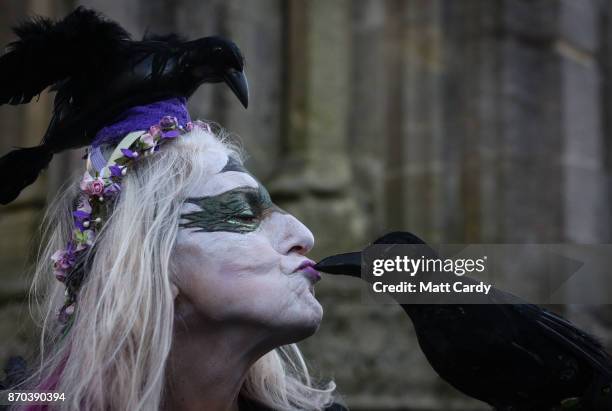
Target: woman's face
[[239, 259]]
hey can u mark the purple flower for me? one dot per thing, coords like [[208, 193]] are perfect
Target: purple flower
[[80, 217], [83, 205], [81, 214], [115, 188], [63, 260], [168, 122], [170, 134], [65, 313], [129, 153], [112, 189], [116, 170]]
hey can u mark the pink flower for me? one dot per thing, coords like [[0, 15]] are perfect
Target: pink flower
[[97, 187], [92, 186]]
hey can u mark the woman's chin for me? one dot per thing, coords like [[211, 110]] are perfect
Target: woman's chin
[[311, 320], [303, 324]]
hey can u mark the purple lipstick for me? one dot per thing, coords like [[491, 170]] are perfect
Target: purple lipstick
[[307, 267]]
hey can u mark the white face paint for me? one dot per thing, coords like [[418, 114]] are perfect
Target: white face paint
[[250, 276]]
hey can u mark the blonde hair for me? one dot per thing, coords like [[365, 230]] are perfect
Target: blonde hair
[[114, 354]]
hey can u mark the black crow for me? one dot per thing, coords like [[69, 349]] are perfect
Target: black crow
[[508, 353], [98, 73]]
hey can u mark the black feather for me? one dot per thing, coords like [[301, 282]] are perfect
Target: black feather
[[21, 168], [171, 38], [47, 52], [99, 73]]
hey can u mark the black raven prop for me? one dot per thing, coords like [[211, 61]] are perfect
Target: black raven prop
[[99, 72], [508, 353]]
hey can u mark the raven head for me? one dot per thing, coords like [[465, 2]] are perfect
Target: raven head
[[215, 59], [350, 263]]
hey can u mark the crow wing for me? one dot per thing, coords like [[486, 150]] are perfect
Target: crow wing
[[47, 52]]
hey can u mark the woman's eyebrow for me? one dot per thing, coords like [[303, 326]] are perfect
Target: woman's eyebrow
[[226, 203], [222, 182]]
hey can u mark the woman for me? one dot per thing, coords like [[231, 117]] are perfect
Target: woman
[[181, 285], [197, 292]]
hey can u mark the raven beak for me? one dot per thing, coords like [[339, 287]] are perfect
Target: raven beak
[[346, 264], [237, 81]]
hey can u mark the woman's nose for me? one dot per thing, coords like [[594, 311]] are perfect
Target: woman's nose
[[290, 235]]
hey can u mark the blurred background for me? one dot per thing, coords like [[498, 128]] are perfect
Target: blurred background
[[481, 121]]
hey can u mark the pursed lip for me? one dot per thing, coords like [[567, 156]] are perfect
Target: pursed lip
[[307, 267]]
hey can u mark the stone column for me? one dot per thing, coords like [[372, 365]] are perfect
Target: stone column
[[367, 126], [315, 178], [420, 123], [583, 48], [258, 28]]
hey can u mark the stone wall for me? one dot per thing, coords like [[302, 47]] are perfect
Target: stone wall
[[462, 121]]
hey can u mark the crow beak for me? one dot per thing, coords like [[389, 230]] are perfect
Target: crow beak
[[236, 80], [346, 264]]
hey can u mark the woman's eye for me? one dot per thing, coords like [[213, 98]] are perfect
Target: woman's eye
[[245, 217]]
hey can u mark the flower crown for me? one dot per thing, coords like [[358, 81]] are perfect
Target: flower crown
[[97, 192]]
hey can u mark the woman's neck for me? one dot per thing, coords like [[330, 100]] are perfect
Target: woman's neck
[[207, 367]]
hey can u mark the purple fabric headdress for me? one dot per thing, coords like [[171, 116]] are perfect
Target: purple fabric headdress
[[134, 119]]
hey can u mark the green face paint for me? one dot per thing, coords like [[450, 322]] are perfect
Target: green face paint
[[240, 210]]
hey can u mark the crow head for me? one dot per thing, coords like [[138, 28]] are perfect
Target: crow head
[[350, 263], [215, 59]]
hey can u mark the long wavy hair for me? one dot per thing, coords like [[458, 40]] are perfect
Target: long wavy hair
[[114, 354]]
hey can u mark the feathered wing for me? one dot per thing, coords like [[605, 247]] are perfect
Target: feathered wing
[[51, 53], [578, 341], [47, 52], [23, 165], [558, 329]]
